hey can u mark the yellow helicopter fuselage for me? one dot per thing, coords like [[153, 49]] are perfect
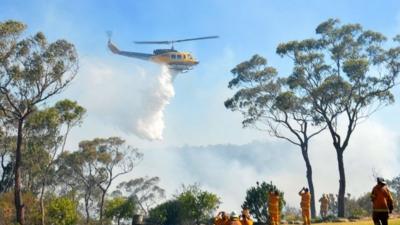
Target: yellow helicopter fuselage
[[174, 58]]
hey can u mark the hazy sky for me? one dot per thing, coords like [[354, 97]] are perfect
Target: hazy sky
[[202, 141]]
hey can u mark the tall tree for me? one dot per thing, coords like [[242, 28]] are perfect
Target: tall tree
[[97, 164], [143, 191], [31, 71], [268, 103], [44, 142], [348, 75]]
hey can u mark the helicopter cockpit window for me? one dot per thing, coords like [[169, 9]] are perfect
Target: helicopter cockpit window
[[173, 56], [179, 57]]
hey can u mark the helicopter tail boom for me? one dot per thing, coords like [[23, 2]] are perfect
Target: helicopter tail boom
[[137, 55]]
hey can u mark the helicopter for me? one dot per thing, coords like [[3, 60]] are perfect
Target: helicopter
[[180, 62]]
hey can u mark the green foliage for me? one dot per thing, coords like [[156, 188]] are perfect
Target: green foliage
[[62, 211], [198, 206], [31, 71], [394, 185], [257, 200], [355, 207], [7, 208], [167, 213], [358, 207], [190, 206], [347, 74], [119, 208], [94, 167]]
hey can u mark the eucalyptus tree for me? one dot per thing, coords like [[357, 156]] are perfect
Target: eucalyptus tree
[[268, 103], [45, 140], [96, 164], [347, 74], [143, 191], [31, 71]]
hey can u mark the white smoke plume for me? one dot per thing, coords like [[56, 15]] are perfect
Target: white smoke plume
[[150, 124], [132, 99]]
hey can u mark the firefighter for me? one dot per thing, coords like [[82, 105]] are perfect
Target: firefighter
[[273, 207], [382, 202], [245, 218], [222, 219], [234, 219], [305, 205], [324, 205]]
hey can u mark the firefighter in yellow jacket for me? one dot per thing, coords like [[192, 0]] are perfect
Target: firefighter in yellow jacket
[[222, 219], [245, 218], [305, 205], [273, 207], [382, 202]]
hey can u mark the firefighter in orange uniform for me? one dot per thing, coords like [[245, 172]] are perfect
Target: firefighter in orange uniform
[[222, 219], [382, 202], [324, 205], [234, 220], [305, 205], [273, 207], [245, 218]]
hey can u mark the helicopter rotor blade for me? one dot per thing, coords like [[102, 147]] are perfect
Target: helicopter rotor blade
[[194, 39], [175, 41], [153, 42]]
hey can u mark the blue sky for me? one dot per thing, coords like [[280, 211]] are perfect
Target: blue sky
[[196, 115]]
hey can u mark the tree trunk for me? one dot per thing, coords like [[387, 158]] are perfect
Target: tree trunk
[[19, 206], [342, 183], [42, 201], [87, 199], [304, 151], [103, 195]]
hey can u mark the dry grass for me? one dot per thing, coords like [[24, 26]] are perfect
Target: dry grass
[[366, 222]]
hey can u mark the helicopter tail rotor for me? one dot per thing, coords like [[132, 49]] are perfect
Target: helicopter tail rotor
[[109, 35]]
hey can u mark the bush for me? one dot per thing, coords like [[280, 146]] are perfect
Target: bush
[[62, 211]]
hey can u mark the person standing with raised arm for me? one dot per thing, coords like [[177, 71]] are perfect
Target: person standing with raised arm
[[305, 205]]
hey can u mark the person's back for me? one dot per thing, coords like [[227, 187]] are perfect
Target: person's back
[[324, 205], [382, 202], [305, 200], [273, 207], [222, 219], [305, 205]]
